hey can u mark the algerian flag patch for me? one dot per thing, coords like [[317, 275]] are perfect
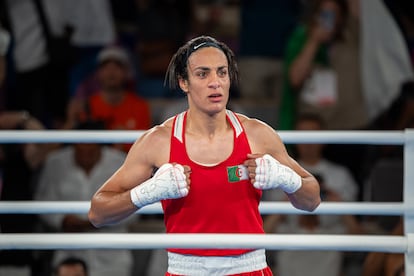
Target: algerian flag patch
[[237, 173]]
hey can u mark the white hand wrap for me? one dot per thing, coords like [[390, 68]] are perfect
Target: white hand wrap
[[168, 182], [270, 174]]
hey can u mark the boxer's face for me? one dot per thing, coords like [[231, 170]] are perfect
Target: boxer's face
[[208, 81]]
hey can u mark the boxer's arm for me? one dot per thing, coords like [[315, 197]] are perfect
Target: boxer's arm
[[300, 186], [113, 202]]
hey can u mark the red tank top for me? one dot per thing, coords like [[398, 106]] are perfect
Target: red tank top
[[221, 198]]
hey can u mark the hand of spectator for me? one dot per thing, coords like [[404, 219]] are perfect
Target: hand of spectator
[[75, 109], [321, 34], [19, 119]]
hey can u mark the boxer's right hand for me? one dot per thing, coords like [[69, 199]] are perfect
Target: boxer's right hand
[[169, 182]]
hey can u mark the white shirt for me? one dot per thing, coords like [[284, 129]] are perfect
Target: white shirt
[[62, 180], [386, 63], [92, 21], [29, 50]]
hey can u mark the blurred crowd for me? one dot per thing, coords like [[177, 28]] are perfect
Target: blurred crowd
[[304, 65]]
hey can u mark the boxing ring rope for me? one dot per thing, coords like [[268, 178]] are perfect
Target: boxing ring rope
[[396, 244], [265, 207], [392, 244], [129, 136]]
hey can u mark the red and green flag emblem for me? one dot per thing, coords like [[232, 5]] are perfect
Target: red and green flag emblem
[[237, 173]]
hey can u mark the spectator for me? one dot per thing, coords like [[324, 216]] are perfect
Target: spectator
[[71, 266], [385, 264], [19, 165], [385, 57], [89, 36], [40, 68], [322, 76], [75, 172], [336, 184], [117, 107], [322, 68]]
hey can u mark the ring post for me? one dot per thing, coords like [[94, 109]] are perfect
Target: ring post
[[409, 199]]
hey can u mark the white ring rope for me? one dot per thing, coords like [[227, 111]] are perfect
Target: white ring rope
[[395, 244], [125, 136], [367, 243], [265, 207]]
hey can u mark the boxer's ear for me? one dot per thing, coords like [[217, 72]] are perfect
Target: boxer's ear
[[183, 84]]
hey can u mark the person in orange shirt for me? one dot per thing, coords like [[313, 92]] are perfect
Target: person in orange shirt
[[115, 105]]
